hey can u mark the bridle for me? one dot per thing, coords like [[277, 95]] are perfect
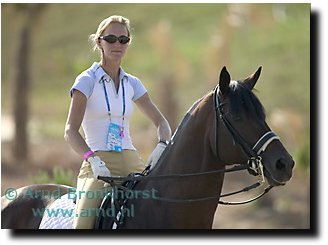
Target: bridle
[[254, 164], [253, 153]]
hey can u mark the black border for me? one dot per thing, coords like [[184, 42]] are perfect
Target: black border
[[314, 121]]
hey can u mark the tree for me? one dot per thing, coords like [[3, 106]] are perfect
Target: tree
[[22, 81]]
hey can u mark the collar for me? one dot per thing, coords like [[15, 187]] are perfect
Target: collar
[[99, 72]]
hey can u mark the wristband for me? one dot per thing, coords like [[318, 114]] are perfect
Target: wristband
[[87, 154]]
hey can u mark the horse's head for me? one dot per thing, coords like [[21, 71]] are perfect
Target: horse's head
[[241, 127]]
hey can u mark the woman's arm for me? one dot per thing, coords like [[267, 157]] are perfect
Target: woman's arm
[[73, 123], [163, 127], [149, 108]]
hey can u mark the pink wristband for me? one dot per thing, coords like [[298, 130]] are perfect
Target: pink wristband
[[87, 154]]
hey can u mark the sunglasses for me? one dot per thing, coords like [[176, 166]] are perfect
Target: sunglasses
[[113, 39]]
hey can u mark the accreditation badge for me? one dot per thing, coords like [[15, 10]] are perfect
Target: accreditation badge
[[114, 138]]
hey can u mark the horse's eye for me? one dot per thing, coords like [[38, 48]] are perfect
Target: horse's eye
[[223, 107]]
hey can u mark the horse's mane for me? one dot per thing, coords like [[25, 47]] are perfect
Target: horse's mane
[[243, 100], [186, 117]]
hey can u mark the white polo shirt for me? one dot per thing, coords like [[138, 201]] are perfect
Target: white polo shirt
[[96, 119]]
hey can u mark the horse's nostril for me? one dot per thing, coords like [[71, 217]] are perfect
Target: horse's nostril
[[280, 164], [293, 164]]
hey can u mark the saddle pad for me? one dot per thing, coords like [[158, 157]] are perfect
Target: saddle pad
[[59, 215]]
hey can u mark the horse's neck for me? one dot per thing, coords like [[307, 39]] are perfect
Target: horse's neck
[[190, 150]]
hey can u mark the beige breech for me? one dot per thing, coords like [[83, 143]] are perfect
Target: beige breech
[[90, 192]]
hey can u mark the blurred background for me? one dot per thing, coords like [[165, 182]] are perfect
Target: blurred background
[[177, 51]]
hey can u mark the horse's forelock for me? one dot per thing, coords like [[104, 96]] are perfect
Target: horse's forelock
[[243, 100]]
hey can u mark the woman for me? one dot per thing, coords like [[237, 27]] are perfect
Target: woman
[[101, 101]]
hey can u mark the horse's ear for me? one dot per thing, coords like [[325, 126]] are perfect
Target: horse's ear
[[224, 80], [251, 80]]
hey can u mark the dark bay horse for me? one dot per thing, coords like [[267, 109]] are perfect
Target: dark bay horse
[[225, 127]]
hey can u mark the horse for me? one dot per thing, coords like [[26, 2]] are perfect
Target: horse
[[224, 128]]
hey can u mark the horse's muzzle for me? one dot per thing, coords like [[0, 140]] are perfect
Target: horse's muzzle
[[282, 172]]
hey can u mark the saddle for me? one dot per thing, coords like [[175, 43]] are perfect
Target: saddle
[[111, 211]]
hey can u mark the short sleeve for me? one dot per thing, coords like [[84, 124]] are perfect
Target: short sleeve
[[84, 84], [138, 87]]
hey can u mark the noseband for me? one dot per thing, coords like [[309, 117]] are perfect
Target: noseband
[[253, 153]]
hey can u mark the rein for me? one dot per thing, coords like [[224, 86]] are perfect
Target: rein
[[111, 181], [170, 176]]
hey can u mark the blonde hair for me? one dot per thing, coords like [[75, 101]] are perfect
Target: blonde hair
[[105, 23]]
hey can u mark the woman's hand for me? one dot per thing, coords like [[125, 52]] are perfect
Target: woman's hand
[[155, 155], [98, 167]]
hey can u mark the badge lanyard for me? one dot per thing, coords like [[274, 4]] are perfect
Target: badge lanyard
[[108, 105]]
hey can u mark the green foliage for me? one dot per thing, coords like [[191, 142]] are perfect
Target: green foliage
[[57, 176]]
